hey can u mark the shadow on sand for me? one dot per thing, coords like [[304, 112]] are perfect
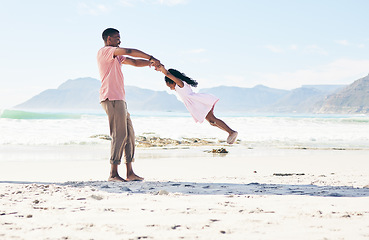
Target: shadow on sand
[[196, 188]]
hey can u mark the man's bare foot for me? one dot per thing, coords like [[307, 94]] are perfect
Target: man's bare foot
[[116, 179], [134, 177]]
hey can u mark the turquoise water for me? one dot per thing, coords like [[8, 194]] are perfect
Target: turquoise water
[[277, 130], [19, 114]]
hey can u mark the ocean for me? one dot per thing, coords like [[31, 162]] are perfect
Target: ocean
[[255, 130]]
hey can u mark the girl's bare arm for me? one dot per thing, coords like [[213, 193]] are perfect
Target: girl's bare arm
[[178, 81]]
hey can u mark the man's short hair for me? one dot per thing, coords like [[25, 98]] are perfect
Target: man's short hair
[[109, 32]]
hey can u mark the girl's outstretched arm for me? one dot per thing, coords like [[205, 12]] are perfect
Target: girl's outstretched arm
[[178, 81]]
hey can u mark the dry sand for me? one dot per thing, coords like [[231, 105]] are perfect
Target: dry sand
[[188, 193]]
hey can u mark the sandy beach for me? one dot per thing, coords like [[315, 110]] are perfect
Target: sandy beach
[[188, 193]]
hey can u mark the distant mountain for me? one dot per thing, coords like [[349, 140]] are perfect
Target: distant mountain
[[245, 99], [72, 95], [351, 99], [327, 89], [82, 94], [303, 100], [139, 99]]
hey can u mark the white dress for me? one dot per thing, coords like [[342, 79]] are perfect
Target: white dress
[[198, 104]]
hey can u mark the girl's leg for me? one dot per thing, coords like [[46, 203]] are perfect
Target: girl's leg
[[218, 123]]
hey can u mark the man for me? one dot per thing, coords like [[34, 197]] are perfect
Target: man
[[112, 98]]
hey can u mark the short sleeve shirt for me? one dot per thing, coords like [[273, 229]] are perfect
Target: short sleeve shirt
[[112, 80]]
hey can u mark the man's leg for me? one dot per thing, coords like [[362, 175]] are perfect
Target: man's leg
[[117, 114], [129, 151], [114, 176]]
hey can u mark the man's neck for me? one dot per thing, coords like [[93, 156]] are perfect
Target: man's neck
[[108, 45]]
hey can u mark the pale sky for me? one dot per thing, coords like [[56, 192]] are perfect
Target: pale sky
[[278, 43]]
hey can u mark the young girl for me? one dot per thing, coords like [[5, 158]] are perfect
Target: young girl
[[200, 105]]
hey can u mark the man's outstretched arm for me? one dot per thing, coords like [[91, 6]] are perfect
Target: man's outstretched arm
[[137, 54], [137, 62]]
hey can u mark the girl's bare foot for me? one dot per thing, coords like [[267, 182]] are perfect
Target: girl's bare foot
[[232, 137]]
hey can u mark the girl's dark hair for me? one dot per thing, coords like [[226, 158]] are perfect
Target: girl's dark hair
[[181, 76]]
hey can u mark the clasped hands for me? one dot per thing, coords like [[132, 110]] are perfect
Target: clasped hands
[[156, 63]]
